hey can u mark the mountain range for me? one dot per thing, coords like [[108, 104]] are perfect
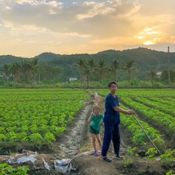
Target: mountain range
[[145, 60]]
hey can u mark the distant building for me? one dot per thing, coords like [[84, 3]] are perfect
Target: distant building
[[1, 75], [158, 74], [73, 79]]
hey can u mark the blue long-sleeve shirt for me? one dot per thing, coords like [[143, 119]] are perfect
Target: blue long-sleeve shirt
[[111, 116]]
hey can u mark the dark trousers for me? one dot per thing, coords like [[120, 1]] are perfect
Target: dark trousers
[[111, 132]]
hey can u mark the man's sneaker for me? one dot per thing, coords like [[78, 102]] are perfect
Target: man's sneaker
[[107, 159], [119, 157]]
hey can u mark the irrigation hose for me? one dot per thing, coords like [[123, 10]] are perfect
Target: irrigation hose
[[143, 129]]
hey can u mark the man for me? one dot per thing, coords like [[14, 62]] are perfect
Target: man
[[112, 121]]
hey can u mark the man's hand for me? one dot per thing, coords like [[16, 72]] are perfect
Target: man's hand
[[131, 112], [125, 111]]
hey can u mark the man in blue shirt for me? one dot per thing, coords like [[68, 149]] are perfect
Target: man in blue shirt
[[112, 121]]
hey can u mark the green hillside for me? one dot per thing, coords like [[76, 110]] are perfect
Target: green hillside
[[60, 67]]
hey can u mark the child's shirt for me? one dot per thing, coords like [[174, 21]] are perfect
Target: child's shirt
[[96, 121]]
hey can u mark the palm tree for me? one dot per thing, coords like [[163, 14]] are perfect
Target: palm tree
[[34, 67], [6, 71], [101, 68], [169, 71], [16, 71], [26, 70], [114, 69], [81, 64], [129, 67], [29, 69], [85, 71], [153, 77], [91, 65]]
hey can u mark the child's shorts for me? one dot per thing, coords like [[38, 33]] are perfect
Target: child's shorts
[[94, 131]]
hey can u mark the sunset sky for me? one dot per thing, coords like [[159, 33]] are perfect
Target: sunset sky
[[30, 27]]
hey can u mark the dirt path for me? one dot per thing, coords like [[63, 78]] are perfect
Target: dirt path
[[70, 143], [89, 164]]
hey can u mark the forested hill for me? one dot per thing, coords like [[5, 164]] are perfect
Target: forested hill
[[145, 60]]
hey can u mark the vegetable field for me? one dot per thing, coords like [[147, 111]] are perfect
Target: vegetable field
[[37, 116]]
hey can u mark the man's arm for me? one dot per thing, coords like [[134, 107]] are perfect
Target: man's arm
[[115, 104], [125, 111]]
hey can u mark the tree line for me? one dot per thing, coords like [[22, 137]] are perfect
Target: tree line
[[89, 70], [30, 71]]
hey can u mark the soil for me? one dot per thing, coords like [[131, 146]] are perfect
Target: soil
[[69, 144], [130, 166]]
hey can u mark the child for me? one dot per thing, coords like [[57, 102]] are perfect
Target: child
[[95, 121]]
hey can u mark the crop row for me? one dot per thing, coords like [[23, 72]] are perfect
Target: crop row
[[164, 93], [162, 119], [159, 104], [138, 137]]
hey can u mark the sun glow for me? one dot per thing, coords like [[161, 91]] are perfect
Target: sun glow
[[149, 36], [147, 43]]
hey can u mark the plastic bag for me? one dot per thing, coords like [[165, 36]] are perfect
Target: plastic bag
[[63, 166]]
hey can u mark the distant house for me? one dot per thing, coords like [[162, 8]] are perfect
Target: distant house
[[73, 79], [158, 74], [1, 75]]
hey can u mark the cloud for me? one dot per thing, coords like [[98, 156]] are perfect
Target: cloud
[[31, 40], [40, 2], [89, 17], [91, 24], [93, 9]]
